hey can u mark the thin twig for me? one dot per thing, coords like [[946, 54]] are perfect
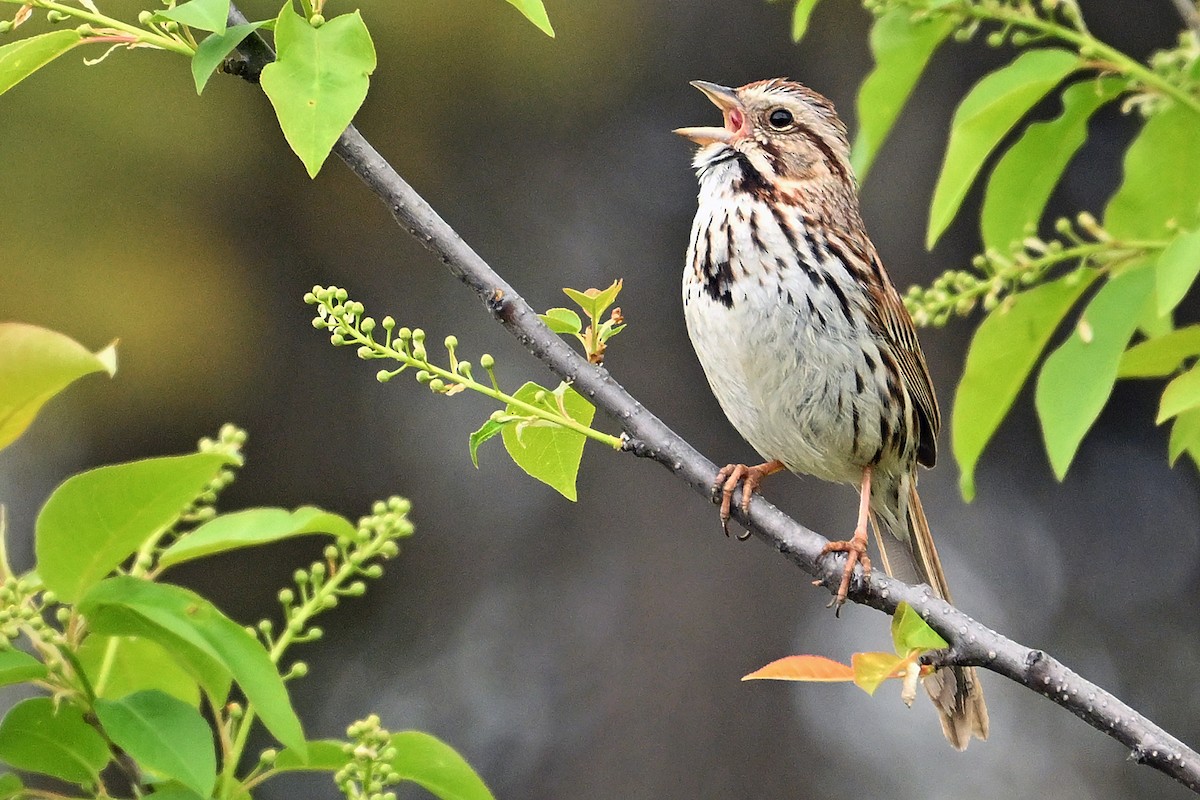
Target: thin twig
[[1191, 15], [972, 644]]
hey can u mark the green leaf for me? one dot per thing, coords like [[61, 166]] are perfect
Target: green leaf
[[546, 451], [26, 56], [436, 766], [17, 666], [800, 17], [902, 49], [1177, 269], [252, 527], [910, 632], [1182, 394], [97, 519], [215, 49], [172, 790], [872, 669], [562, 320], [318, 80], [1003, 352], [986, 114], [322, 755], [35, 365], [35, 736], [595, 302], [489, 429], [207, 15], [319, 756], [10, 786], [163, 734], [1161, 185], [535, 12], [1078, 377], [120, 665], [1161, 356], [194, 630], [1185, 435], [1025, 176]]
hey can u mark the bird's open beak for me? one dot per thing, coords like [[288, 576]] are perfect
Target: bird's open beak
[[725, 99]]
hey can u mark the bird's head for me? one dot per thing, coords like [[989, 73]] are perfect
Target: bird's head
[[786, 131]]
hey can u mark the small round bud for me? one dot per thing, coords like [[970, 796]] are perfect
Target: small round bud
[[144, 17], [287, 596], [373, 571], [404, 334], [317, 570], [437, 385], [300, 576], [337, 340], [310, 298], [486, 361], [388, 323], [364, 352], [330, 552], [299, 669], [316, 20], [540, 397], [329, 601], [451, 342], [378, 507], [995, 39], [265, 626], [424, 376], [383, 376], [418, 335], [367, 325], [235, 711], [268, 756], [400, 505]]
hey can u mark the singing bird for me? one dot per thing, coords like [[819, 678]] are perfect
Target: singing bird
[[806, 342]]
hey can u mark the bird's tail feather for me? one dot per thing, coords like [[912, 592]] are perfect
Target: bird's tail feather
[[911, 556]]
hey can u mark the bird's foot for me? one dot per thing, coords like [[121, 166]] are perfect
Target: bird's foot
[[856, 553], [750, 477]]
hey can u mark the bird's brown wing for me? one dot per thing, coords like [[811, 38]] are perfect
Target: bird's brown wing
[[894, 324]]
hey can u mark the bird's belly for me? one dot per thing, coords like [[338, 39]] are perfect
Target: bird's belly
[[791, 376]]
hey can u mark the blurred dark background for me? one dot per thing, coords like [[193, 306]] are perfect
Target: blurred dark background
[[592, 649]]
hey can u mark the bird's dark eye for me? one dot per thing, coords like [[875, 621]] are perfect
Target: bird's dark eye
[[780, 118]]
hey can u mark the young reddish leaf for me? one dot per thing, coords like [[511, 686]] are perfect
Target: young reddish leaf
[[872, 669], [803, 668]]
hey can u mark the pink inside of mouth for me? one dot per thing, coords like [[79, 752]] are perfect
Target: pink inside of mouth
[[735, 120]]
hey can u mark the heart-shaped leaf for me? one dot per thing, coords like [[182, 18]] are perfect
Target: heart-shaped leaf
[[318, 80]]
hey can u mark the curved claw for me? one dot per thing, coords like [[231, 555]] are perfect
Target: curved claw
[[856, 553], [727, 481]]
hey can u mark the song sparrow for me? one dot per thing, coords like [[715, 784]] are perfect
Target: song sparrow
[[805, 341]]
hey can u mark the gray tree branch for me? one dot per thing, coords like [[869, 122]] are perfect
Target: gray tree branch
[[971, 643]]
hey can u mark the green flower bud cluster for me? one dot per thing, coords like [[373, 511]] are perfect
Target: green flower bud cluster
[[1083, 244], [370, 771], [1013, 15], [341, 572], [229, 442], [348, 324]]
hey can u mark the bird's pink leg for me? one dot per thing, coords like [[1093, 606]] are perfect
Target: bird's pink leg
[[750, 477], [856, 548]]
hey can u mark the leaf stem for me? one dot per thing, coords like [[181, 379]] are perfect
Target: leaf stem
[[1088, 45], [143, 36]]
